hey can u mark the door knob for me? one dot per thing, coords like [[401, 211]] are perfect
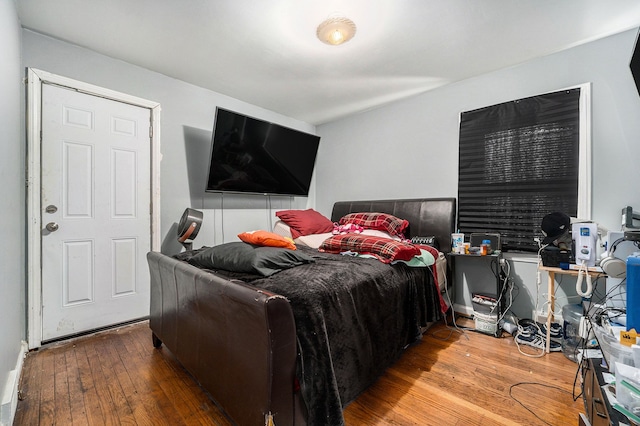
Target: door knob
[[52, 226]]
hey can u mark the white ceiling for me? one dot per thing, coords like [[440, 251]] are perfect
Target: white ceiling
[[265, 52]]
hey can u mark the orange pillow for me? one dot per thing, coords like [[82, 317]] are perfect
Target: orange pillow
[[264, 238]]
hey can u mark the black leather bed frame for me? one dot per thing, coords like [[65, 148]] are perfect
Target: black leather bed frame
[[239, 342]]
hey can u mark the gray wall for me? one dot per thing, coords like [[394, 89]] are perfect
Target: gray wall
[[412, 145], [186, 127], [12, 249]]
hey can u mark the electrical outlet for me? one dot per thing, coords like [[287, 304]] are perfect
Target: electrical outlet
[[542, 317]]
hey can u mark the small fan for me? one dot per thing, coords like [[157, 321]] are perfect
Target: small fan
[[189, 227]]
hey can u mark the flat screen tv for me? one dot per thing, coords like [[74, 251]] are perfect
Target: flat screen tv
[[635, 63], [254, 156]]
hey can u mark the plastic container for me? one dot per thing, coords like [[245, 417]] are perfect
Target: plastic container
[[486, 322], [457, 240], [571, 340], [628, 387], [612, 349], [635, 352], [633, 292], [487, 246]]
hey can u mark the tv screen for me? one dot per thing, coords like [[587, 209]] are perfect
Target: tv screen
[[635, 63], [255, 156]]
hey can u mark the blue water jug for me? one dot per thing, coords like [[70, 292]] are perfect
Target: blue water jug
[[633, 292]]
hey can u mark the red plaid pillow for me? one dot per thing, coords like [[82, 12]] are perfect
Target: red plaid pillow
[[384, 249], [380, 221]]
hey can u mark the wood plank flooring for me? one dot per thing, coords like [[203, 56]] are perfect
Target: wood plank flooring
[[117, 377]]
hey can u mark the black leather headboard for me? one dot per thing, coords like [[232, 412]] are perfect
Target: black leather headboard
[[426, 216]]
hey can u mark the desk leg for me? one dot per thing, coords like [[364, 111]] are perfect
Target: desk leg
[[552, 306]]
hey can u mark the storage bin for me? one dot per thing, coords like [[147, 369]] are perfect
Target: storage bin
[[571, 340], [486, 323], [611, 348], [628, 387], [635, 350]]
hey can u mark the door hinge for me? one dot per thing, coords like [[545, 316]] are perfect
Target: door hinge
[[150, 132]]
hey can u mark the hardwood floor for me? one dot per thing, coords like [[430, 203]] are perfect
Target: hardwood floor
[[117, 377]]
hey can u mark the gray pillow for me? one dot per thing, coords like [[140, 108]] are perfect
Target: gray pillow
[[247, 258]]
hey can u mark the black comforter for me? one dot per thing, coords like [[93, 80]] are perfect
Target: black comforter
[[354, 317]]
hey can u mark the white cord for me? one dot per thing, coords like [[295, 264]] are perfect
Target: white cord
[[269, 214], [515, 339], [504, 312], [504, 284], [538, 279], [582, 271], [222, 214], [453, 311], [520, 328]]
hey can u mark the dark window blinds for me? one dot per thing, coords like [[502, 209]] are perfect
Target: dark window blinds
[[519, 161]]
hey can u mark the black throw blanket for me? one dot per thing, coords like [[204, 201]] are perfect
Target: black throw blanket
[[354, 317]]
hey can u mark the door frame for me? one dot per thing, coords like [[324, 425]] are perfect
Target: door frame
[[35, 80]]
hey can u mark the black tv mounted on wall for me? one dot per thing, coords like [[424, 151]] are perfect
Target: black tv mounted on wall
[[254, 156], [635, 63]]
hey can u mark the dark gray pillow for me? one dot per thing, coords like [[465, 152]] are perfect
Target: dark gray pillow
[[247, 258]]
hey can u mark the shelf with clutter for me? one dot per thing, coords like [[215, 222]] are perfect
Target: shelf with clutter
[[606, 323], [488, 304]]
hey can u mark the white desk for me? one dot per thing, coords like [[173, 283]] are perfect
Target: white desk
[[551, 298]]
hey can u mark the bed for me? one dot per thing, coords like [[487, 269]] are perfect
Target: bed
[[294, 347]]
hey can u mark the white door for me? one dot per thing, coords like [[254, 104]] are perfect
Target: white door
[[96, 220]]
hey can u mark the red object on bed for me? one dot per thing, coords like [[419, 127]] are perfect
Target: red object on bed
[[384, 249], [380, 221], [305, 222]]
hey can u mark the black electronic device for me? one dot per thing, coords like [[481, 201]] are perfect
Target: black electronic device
[[553, 256], [484, 302], [477, 238], [189, 227], [249, 155], [635, 64], [632, 235], [429, 241]]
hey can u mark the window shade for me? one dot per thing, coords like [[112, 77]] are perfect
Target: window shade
[[519, 161]]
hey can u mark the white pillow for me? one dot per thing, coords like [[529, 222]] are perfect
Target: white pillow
[[313, 240], [282, 229]]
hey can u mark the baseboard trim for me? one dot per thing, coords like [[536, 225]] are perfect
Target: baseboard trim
[[463, 309], [10, 394]]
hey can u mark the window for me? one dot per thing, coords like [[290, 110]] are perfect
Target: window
[[521, 160]]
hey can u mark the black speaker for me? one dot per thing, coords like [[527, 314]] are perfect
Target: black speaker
[[635, 65]]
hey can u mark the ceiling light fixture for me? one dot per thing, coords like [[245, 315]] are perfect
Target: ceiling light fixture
[[336, 30]]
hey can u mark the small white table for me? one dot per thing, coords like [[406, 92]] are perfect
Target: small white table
[[551, 298]]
